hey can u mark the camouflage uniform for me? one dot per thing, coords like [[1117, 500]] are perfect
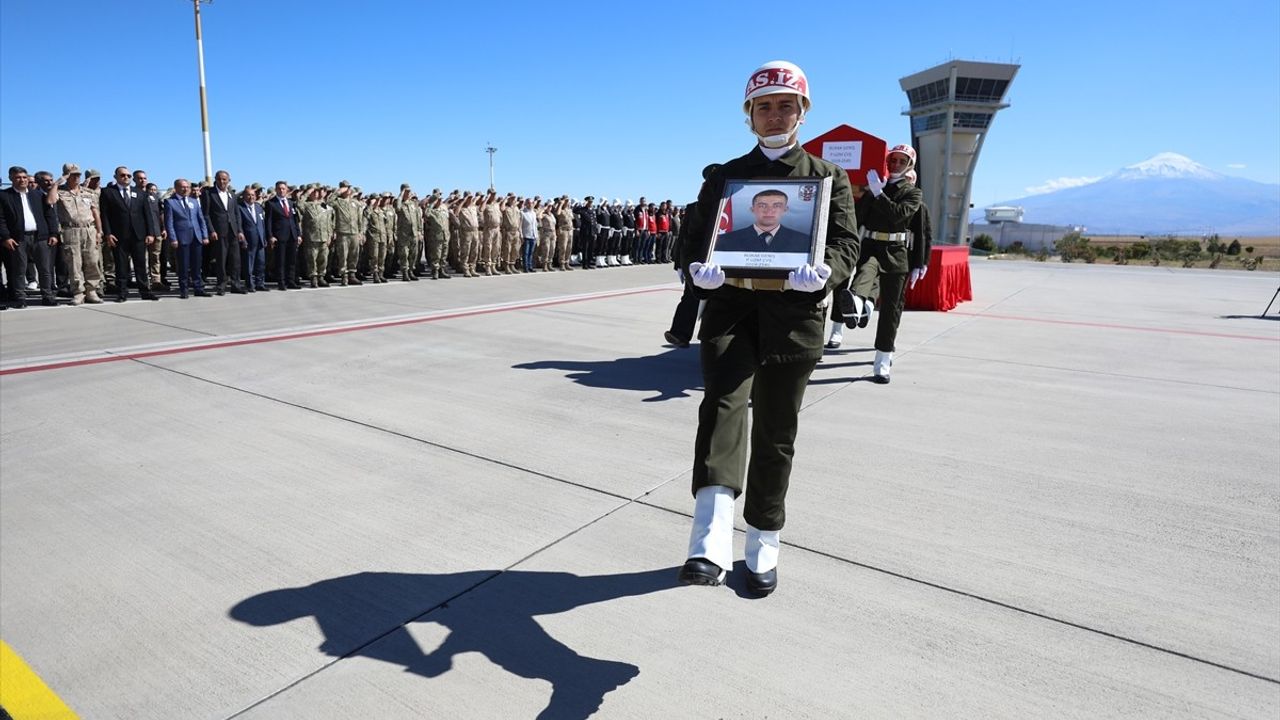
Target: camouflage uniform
[[469, 250], [314, 219], [408, 225], [81, 242], [564, 235], [490, 229], [348, 224], [508, 256], [546, 238], [437, 227], [376, 235]]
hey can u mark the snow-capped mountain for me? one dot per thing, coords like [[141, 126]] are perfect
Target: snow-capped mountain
[[1169, 193]]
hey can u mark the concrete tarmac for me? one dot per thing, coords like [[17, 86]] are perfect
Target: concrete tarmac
[[469, 498]]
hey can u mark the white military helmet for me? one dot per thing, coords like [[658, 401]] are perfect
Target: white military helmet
[[907, 150], [777, 76]]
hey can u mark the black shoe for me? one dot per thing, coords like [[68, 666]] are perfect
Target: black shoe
[[293, 286], [220, 292], [701, 571], [19, 303], [201, 293], [182, 294], [251, 289], [674, 339], [761, 584], [150, 296], [238, 290], [880, 379], [48, 301], [121, 298], [264, 288]]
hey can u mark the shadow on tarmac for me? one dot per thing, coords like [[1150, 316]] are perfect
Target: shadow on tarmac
[[670, 374], [498, 622]]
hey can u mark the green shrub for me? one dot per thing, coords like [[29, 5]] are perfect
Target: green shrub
[[984, 242], [1074, 247], [1138, 250], [1234, 247]]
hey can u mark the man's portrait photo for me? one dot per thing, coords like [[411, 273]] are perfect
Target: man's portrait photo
[[769, 227], [766, 234]]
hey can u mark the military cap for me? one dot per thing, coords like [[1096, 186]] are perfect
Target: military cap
[[356, 190], [386, 193], [343, 183], [404, 186], [92, 174], [70, 168]]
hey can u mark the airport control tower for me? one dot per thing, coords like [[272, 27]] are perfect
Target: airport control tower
[[952, 106]]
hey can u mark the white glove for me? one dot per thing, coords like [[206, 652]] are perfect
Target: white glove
[[916, 276], [807, 278], [874, 183], [707, 277]]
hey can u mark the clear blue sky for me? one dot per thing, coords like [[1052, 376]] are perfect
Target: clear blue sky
[[617, 99]]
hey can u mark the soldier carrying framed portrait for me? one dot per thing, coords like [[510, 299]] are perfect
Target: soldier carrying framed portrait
[[769, 227]]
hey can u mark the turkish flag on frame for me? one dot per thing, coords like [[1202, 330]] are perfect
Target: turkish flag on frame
[[852, 149]]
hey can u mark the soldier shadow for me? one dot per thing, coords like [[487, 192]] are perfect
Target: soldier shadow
[[367, 614], [1272, 318], [670, 374]]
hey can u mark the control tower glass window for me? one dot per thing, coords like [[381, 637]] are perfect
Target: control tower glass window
[[935, 91], [980, 89]]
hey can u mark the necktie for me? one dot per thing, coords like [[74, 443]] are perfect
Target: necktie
[[765, 238], [124, 193], [285, 204]]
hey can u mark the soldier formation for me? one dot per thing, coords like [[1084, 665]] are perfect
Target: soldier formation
[[346, 237]]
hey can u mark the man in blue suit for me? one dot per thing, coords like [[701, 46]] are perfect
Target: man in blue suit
[[253, 222], [188, 234]]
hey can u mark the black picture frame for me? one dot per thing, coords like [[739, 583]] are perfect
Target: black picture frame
[[800, 235]]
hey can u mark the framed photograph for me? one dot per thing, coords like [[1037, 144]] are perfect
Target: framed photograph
[[770, 227]]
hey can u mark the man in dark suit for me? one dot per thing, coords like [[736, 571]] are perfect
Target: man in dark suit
[[284, 235], [253, 221], [225, 236], [29, 232], [129, 228], [767, 234], [188, 235]]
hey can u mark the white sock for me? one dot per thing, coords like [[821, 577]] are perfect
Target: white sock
[[762, 549], [712, 533]]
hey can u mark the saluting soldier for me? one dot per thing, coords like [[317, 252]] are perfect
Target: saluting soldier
[[510, 249], [761, 339], [77, 209], [437, 227], [348, 229], [315, 227], [469, 222], [546, 246], [564, 233], [375, 244], [407, 224], [490, 229]]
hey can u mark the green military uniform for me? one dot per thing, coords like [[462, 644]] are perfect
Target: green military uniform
[[375, 233], [759, 346], [437, 225], [455, 237], [348, 224], [408, 220], [314, 220], [886, 227]]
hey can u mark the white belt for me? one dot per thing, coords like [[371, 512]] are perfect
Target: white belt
[[884, 236]]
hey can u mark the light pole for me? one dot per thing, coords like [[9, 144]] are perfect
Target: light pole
[[491, 150], [204, 103]]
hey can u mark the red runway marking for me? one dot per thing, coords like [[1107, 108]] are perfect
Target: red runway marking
[[1111, 326], [217, 345]]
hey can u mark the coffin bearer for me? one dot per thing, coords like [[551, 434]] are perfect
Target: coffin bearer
[[760, 340]]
